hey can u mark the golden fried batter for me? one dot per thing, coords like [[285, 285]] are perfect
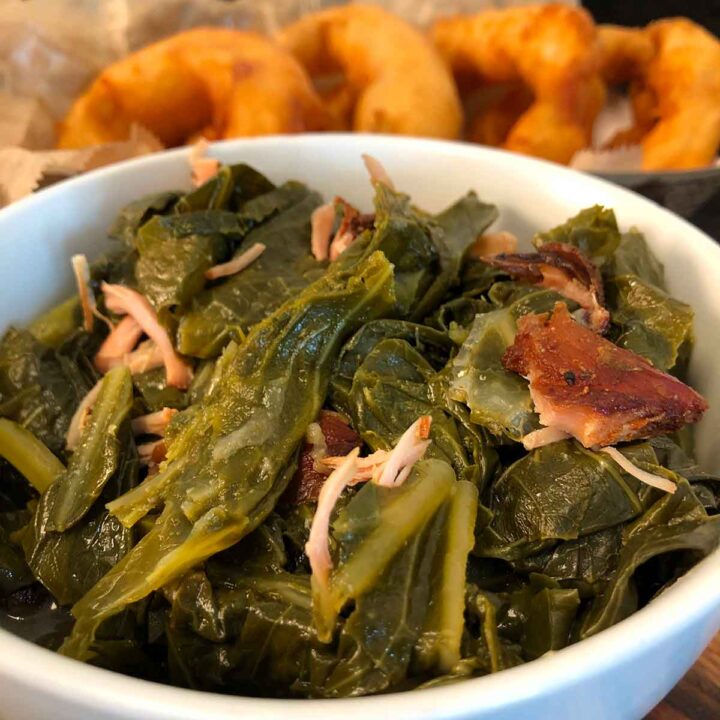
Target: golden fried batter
[[393, 79], [625, 53], [211, 81], [491, 123], [673, 67], [552, 49], [684, 77]]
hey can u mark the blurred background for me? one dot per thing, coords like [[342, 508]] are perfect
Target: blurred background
[[704, 12], [48, 58]]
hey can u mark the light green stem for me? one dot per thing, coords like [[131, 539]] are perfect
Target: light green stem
[[28, 455]]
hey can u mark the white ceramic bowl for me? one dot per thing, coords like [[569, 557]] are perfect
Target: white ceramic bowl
[[620, 673]]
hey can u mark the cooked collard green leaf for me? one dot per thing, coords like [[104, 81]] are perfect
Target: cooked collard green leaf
[[558, 492], [594, 231], [229, 309], [650, 322], [189, 563], [232, 458]]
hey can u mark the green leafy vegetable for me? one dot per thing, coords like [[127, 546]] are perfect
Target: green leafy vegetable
[[376, 642], [232, 459], [405, 236], [585, 563], [552, 613], [498, 399], [486, 650], [72, 540], [227, 311], [14, 571], [156, 394], [434, 346], [594, 231], [190, 565], [458, 314], [233, 186], [458, 228], [439, 646], [57, 324], [372, 529], [95, 460], [395, 386], [650, 322], [634, 257], [40, 387], [175, 251], [21, 448], [558, 492], [254, 634], [674, 523], [137, 213]]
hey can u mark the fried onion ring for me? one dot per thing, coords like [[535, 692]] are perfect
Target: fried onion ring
[[684, 77], [491, 123], [673, 67], [393, 79], [552, 49], [208, 81], [625, 53]]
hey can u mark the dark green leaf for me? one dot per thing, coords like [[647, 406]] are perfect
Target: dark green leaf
[[227, 311], [94, 461], [557, 492], [156, 393], [484, 644], [14, 571], [649, 322], [405, 236], [634, 257], [586, 562], [673, 524], [457, 229], [254, 637], [371, 530], [133, 216], [232, 458], [594, 231], [551, 616], [39, 387], [377, 640], [395, 386], [56, 325], [175, 251], [434, 346], [233, 186], [458, 314], [69, 563]]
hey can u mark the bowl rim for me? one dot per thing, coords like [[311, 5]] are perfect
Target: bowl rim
[[29, 665], [711, 172]]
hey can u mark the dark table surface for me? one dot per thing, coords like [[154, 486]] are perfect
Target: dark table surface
[[697, 695]]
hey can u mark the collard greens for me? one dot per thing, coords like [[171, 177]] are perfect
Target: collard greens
[[192, 570]]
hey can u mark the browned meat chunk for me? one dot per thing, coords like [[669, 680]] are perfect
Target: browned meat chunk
[[562, 268], [340, 439], [598, 392]]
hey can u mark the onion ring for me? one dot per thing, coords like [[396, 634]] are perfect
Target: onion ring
[[209, 81], [394, 80], [550, 48]]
